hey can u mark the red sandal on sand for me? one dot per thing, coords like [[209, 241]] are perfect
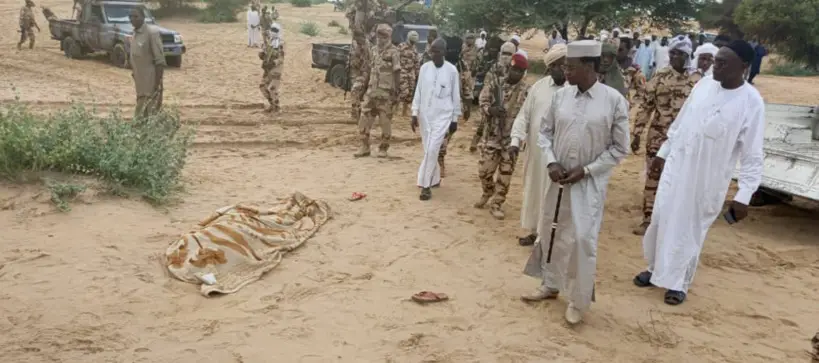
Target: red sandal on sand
[[425, 297], [357, 196]]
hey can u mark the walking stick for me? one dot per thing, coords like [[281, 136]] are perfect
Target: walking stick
[[554, 225]]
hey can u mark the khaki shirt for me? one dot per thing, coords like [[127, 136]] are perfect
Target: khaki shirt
[[146, 54], [27, 18], [498, 132], [659, 105], [385, 62]]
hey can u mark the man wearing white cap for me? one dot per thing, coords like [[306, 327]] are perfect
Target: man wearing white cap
[[645, 57], [704, 55], [584, 135], [516, 41], [526, 129]]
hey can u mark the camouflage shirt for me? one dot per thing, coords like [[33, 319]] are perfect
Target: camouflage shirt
[[470, 56], [360, 57], [659, 105], [409, 70], [635, 81], [27, 20], [498, 132], [385, 62], [272, 57]]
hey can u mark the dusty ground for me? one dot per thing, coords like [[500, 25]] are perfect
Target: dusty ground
[[85, 286]]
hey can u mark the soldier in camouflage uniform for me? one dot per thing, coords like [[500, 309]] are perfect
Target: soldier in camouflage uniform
[[359, 58], [382, 92], [496, 156], [658, 107], [496, 70], [409, 71], [265, 21], [27, 25], [272, 64]]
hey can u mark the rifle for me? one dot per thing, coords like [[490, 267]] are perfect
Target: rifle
[[499, 103]]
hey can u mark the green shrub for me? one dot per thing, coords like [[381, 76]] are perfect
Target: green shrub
[[343, 31], [333, 23], [301, 3], [309, 28], [145, 155], [537, 68], [790, 69], [221, 11], [318, 2], [186, 11]]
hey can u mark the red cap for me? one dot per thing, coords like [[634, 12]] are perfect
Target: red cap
[[519, 61]]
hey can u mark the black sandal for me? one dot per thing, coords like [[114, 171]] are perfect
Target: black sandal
[[426, 194], [643, 279], [673, 297], [528, 240]]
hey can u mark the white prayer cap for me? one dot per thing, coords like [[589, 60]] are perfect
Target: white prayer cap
[[707, 48], [276, 26], [515, 38], [584, 48], [625, 34], [508, 47], [616, 30], [554, 54]]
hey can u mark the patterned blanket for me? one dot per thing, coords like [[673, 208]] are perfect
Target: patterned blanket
[[240, 243]]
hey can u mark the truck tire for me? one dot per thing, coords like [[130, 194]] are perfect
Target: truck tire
[[71, 48], [338, 76], [174, 61], [119, 57]]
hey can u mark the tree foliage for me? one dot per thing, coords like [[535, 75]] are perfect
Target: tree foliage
[[790, 26], [720, 15], [494, 15]]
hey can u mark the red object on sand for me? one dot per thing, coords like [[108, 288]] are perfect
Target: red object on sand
[[424, 297], [357, 196]]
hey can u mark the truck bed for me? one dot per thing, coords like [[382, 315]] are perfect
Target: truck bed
[[326, 55], [791, 155]]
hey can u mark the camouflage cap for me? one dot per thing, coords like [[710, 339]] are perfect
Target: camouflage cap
[[383, 30], [609, 48]]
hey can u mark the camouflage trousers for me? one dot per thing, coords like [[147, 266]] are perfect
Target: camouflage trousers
[[478, 132], [496, 161], [357, 95], [442, 153], [26, 34], [655, 139], [271, 81], [382, 109]]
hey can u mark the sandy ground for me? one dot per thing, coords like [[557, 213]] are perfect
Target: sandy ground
[[86, 286]]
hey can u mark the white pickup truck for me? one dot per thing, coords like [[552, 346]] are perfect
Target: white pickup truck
[[791, 154]]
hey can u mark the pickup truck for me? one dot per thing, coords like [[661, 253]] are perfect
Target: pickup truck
[[791, 155], [333, 57], [104, 26]]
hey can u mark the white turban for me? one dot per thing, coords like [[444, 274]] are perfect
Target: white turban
[[680, 43], [707, 48], [515, 38], [555, 53]]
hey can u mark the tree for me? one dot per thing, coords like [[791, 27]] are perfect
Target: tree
[[561, 14], [720, 15], [790, 26]]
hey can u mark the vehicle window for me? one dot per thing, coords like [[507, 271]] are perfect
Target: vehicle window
[[118, 14]]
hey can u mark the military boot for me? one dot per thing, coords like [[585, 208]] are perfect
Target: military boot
[[496, 211], [482, 202], [382, 150], [364, 150]]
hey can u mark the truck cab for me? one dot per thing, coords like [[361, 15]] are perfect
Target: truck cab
[[105, 26]]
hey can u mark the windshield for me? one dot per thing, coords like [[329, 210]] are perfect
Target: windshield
[[118, 13]]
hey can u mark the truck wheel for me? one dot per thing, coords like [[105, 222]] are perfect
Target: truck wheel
[[71, 48], [338, 76], [119, 57], [174, 61]]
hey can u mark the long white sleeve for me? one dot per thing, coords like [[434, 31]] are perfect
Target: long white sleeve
[[547, 131], [619, 148], [416, 98], [455, 82], [521, 126], [752, 156]]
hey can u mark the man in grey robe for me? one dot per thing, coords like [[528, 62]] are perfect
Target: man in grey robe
[[584, 135]]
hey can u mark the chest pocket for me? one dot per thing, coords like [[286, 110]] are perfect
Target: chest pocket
[[444, 90], [715, 126], [385, 65]]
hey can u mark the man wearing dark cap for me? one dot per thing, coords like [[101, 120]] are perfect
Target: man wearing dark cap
[[722, 122]]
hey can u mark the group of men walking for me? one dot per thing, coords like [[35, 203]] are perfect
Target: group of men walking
[[701, 120]]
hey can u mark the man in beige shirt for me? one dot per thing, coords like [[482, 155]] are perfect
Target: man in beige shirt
[[147, 64]]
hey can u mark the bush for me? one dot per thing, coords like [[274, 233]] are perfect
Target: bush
[[537, 68], [318, 2], [221, 11], [343, 31], [790, 69], [302, 3], [186, 11], [309, 28], [146, 155], [333, 23]]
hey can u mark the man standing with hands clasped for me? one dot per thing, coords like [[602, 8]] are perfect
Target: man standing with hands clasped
[[722, 121], [147, 64], [436, 107], [584, 135]]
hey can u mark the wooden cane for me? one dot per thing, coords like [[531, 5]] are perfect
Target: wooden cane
[[554, 225]]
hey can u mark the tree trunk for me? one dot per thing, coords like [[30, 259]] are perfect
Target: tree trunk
[[581, 33]]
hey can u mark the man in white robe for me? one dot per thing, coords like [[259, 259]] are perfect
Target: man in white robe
[[526, 129], [661, 58], [516, 41], [253, 27], [722, 121], [436, 107], [584, 136], [704, 55]]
